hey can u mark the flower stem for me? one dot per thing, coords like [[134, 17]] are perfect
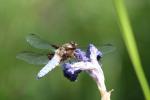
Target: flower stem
[[105, 95], [131, 45]]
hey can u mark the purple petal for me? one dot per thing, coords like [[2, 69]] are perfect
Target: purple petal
[[92, 51], [69, 72], [81, 55], [72, 72]]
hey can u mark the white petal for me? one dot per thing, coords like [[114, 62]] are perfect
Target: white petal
[[83, 65]]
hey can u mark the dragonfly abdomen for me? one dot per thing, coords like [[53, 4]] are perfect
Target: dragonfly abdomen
[[49, 66]]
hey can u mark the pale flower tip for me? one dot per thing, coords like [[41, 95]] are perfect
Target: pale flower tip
[[111, 90], [37, 77], [106, 95]]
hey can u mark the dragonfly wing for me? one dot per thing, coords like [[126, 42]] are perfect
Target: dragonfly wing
[[37, 42], [33, 58], [49, 66], [107, 48]]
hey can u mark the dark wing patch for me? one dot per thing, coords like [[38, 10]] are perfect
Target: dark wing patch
[[107, 48]]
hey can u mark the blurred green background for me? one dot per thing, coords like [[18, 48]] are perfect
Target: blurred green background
[[61, 21]]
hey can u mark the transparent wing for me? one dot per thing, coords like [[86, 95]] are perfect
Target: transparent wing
[[37, 42], [33, 58], [107, 48]]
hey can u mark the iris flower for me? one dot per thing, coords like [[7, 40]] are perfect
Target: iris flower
[[89, 63]]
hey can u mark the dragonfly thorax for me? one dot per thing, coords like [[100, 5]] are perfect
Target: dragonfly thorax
[[70, 45], [66, 50]]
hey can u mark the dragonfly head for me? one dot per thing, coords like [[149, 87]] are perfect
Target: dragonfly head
[[67, 50], [71, 45]]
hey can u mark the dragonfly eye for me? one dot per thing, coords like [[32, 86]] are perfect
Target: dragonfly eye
[[70, 48], [74, 44]]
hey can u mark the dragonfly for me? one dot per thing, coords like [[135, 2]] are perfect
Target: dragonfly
[[54, 56]]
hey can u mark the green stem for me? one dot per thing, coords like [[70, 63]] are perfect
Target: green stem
[[131, 45]]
